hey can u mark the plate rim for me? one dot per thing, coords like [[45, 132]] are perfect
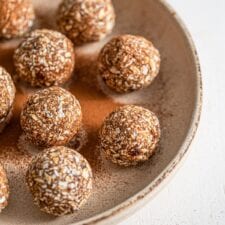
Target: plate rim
[[133, 203]]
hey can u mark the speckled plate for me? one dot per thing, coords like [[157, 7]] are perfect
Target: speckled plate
[[175, 96]]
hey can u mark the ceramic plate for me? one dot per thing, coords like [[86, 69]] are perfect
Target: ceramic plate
[[175, 96]]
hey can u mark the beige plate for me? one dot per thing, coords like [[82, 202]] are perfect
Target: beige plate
[[175, 96]]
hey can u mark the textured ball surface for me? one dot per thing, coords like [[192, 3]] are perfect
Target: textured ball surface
[[4, 189], [129, 135], [86, 20], [128, 63], [45, 58], [16, 17], [51, 117], [60, 180], [7, 97]]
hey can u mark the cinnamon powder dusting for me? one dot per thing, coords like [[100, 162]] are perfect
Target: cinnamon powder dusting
[[95, 107]]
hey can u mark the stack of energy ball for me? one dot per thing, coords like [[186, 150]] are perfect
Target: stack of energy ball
[[59, 178]]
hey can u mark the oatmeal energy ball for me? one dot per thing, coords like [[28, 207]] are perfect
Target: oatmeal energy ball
[[4, 189], [86, 20], [16, 17], [7, 97], [128, 63], [60, 180], [45, 58], [129, 135], [51, 117]]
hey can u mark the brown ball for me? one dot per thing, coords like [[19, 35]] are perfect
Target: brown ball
[[128, 63], [4, 189], [45, 58], [60, 180], [86, 20], [129, 135], [7, 97], [51, 117], [16, 17]]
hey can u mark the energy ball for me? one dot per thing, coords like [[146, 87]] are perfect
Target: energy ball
[[128, 63], [45, 58], [7, 97], [4, 189], [51, 117], [129, 135], [86, 20], [60, 180], [16, 17]]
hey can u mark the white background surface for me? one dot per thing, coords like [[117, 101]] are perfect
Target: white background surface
[[196, 195]]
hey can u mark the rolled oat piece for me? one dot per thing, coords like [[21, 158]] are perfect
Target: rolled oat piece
[[86, 20], [7, 97], [128, 63], [44, 58], [60, 180], [16, 18], [4, 189], [51, 117], [129, 135]]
